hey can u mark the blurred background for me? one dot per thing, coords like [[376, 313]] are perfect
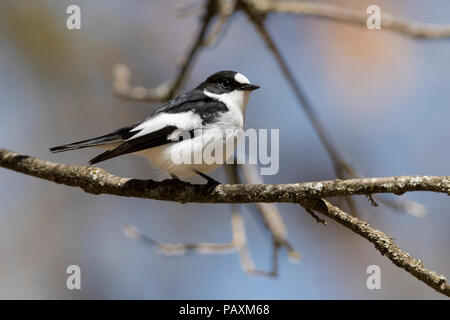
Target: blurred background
[[384, 98]]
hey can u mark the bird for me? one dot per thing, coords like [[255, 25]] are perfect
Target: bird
[[210, 115]]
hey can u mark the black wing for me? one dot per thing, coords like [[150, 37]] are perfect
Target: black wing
[[151, 140]]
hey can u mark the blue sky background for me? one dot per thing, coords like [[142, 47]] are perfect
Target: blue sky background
[[383, 97]]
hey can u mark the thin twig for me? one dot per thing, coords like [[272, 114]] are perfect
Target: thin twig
[[166, 90], [238, 243], [371, 200], [240, 240], [403, 205], [227, 8], [274, 224], [180, 249], [312, 214]]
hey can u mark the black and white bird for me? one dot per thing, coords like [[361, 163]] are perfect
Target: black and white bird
[[217, 105]]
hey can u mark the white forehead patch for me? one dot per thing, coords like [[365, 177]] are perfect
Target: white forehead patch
[[239, 77]]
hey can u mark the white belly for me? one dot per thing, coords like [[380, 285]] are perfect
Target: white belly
[[185, 157]]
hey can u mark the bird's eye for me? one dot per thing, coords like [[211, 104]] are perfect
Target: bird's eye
[[226, 83]]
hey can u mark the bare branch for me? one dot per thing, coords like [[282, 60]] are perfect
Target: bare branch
[[225, 12], [270, 215], [357, 17], [166, 90], [384, 244], [272, 220], [239, 234], [312, 214], [240, 241], [180, 249], [404, 205], [97, 181], [123, 89]]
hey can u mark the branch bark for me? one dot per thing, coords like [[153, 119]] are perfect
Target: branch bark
[[97, 181]]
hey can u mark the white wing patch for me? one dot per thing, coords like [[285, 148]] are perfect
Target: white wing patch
[[183, 120], [239, 77]]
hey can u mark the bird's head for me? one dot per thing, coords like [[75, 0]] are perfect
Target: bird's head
[[230, 87], [227, 81]]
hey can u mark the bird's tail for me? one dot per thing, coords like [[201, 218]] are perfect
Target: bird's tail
[[116, 136], [84, 144]]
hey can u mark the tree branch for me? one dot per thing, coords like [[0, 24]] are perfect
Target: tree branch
[[97, 181], [357, 17], [179, 249], [270, 215], [225, 12]]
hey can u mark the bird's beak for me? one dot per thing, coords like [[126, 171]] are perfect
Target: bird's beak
[[249, 87]]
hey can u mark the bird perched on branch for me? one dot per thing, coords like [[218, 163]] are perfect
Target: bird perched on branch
[[210, 116]]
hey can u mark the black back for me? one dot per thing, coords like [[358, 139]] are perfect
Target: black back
[[196, 101]]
